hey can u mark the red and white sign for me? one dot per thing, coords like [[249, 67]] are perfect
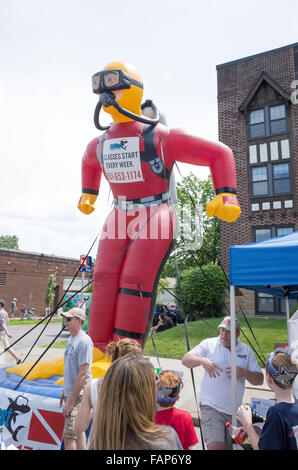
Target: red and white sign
[[83, 261]]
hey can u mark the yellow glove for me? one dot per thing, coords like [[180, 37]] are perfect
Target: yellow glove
[[225, 206], [86, 203]]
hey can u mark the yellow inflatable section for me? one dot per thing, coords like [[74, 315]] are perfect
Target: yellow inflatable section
[[55, 366]]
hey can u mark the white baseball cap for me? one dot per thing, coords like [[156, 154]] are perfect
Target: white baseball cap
[[226, 323], [75, 312]]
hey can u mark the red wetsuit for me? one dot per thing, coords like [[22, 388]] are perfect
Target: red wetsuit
[[136, 241]]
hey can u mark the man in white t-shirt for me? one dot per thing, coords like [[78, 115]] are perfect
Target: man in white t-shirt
[[214, 354]]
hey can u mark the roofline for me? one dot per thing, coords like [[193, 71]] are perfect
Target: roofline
[[30, 253], [290, 46], [264, 77]]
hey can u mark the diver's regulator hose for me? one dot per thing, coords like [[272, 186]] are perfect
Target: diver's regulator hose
[[108, 99]]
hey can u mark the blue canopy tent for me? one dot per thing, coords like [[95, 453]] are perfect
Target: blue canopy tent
[[271, 267]]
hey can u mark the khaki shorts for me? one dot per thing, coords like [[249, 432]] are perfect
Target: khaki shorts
[[4, 343], [70, 420], [214, 428]]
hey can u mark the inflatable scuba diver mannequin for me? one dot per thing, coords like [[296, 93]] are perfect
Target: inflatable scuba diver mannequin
[[136, 154]]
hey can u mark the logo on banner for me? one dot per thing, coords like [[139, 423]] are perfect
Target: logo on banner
[[16, 407]]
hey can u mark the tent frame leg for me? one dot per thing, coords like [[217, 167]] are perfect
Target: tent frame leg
[[288, 317], [233, 354]]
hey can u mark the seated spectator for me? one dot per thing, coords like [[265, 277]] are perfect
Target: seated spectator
[[168, 393], [124, 419], [164, 323], [90, 396]]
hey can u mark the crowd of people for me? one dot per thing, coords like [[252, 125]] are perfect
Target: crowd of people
[[133, 407]]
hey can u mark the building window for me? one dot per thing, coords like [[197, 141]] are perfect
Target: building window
[[281, 178], [262, 234], [292, 302], [263, 153], [253, 157], [257, 124], [259, 176], [285, 148], [278, 123], [269, 180], [274, 150], [2, 279], [269, 304], [267, 121], [276, 204], [265, 303], [288, 204], [284, 231], [269, 151]]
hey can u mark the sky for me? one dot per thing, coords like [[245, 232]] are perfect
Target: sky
[[49, 49]]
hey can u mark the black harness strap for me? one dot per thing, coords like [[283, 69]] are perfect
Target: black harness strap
[[123, 290], [149, 154], [129, 334], [148, 326]]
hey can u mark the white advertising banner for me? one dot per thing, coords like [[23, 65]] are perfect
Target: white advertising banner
[[122, 161], [30, 422]]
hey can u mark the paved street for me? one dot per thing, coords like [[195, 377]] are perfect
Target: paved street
[[24, 336], [17, 331]]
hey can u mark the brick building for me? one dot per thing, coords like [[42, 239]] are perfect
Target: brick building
[[258, 119], [25, 275]]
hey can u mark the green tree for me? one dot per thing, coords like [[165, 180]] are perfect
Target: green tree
[[50, 292], [195, 194], [203, 290], [10, 242]]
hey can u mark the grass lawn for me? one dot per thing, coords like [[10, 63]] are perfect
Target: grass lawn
[[31, 321], [172, 343]]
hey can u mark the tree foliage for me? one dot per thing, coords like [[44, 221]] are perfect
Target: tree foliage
[[195, 194], [50, 292], [10, 242], [203, 290]]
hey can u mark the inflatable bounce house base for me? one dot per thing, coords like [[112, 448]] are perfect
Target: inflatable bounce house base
[[30, 413]]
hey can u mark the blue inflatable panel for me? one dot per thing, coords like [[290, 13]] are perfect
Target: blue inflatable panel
[[45, 387]]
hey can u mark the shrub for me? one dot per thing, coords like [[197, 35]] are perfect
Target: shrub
[[203, 290]]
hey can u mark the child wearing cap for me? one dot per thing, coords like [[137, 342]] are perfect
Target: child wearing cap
[[280, 431], [169, 385]]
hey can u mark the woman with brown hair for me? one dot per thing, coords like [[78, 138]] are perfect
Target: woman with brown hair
[[124, 419], [89, 401]]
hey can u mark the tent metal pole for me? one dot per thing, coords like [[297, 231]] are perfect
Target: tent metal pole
[[233, 353], [288, 317]]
